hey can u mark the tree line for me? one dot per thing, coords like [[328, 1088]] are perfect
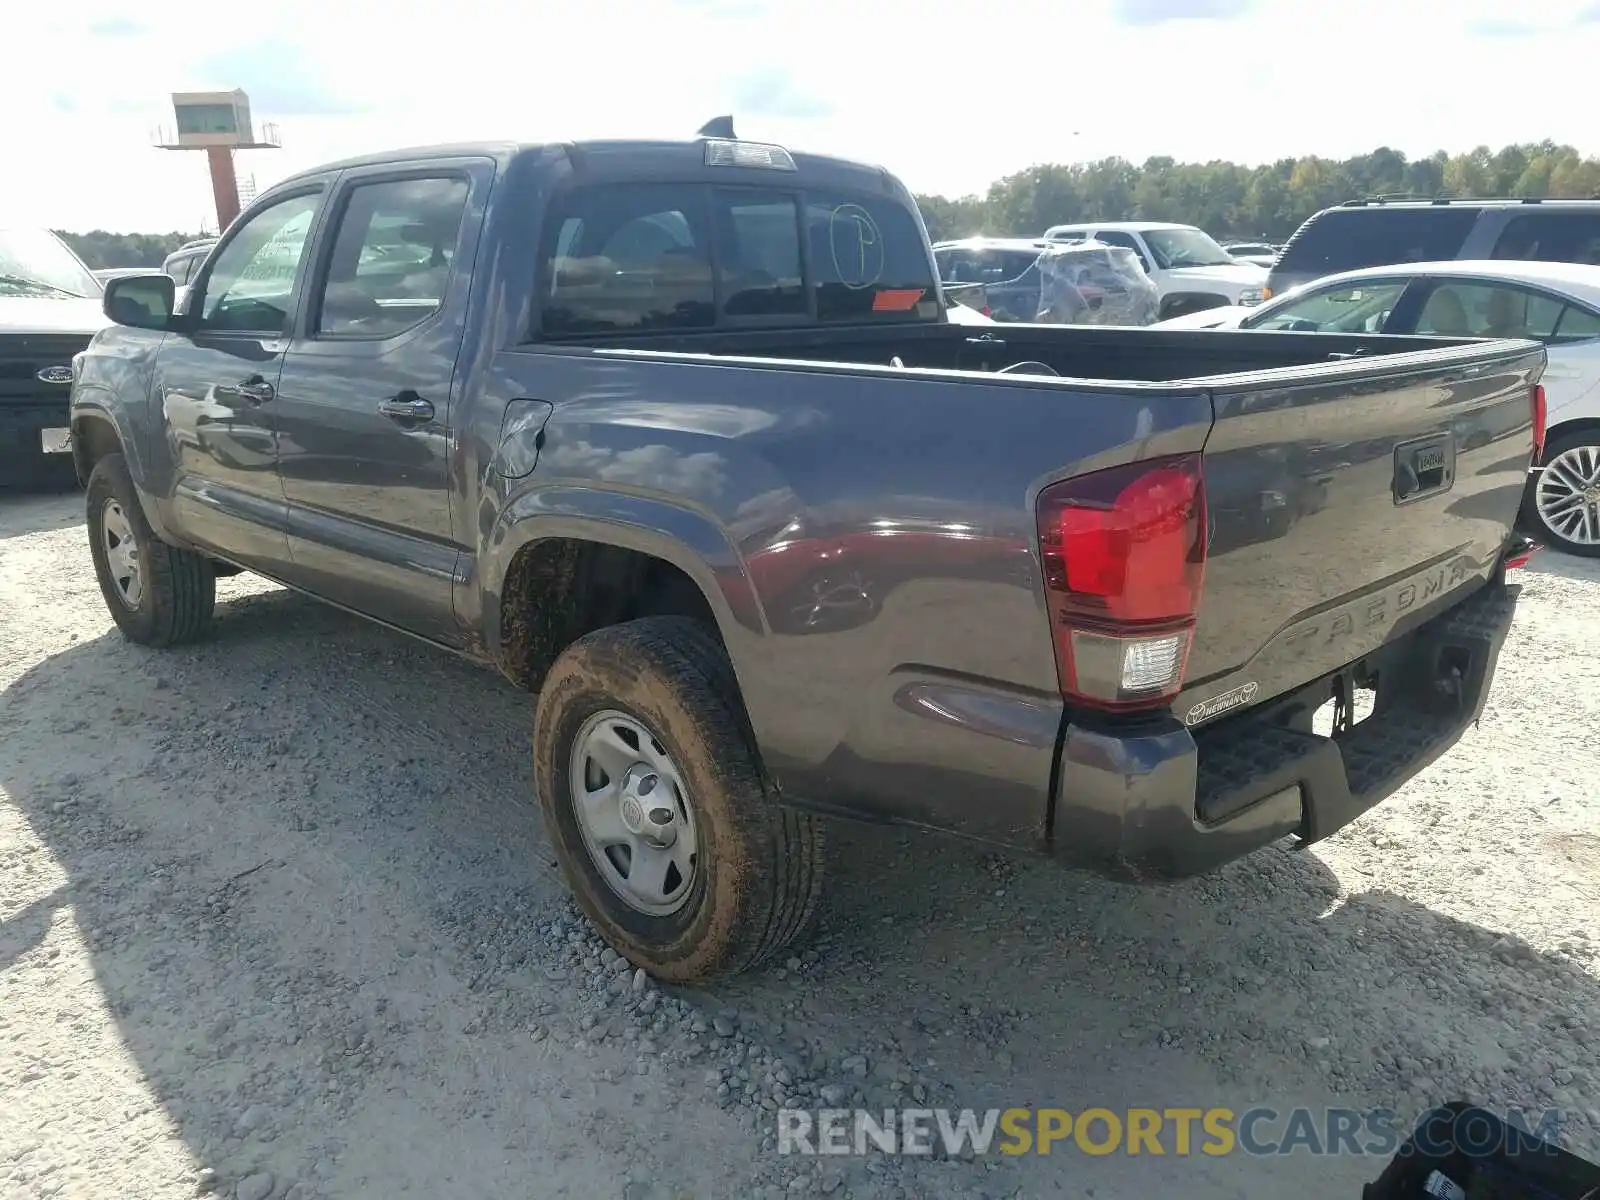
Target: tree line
[[1269, 202], [99, 248]]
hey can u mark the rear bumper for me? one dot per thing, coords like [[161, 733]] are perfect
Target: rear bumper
[[1162, 803]]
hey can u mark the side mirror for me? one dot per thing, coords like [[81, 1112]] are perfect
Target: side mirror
[[140, 301]]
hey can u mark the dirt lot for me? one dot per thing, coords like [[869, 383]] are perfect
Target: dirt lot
[[277, 919]]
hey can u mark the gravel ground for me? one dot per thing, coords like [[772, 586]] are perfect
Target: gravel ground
[[277, 920]]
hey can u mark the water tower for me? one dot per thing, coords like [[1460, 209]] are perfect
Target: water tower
[[218, 123]]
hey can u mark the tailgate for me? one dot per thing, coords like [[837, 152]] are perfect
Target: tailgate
[[1348, 505]]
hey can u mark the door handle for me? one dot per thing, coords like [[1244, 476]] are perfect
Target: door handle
[[256, 390], [407, 406]]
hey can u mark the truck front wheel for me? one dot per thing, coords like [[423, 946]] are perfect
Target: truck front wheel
[[654, 797], [158, 594]]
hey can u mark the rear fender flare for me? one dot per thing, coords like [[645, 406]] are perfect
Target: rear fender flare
[[689, 540]]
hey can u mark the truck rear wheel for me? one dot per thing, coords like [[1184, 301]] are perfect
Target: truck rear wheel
[[655, 799], [158, 594]]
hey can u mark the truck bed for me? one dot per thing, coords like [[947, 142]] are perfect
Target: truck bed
[[1080, 352], [881, 522]]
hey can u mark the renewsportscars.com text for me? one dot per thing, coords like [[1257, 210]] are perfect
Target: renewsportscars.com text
[[1180, 1132]]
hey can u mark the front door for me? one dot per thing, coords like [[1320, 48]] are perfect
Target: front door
[[217, 381], [364, 396]]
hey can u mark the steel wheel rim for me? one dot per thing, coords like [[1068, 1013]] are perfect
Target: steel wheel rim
[[122, 555], [634, 814], [1567, 495]]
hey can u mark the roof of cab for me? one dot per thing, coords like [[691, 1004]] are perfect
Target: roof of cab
[[644, 158]]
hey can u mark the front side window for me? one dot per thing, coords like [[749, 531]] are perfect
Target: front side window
[[1488, 310], [250, 286], [1114, 237], [1176, 248], [1551, 237], [1361, 308], [391, 257]]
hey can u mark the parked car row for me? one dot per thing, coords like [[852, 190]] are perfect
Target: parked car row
[[1520, 268], [1189, 271]]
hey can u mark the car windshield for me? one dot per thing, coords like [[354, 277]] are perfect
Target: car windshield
[[36, 262], [1185, 248]]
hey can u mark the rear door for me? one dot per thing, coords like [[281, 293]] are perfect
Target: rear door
[[217, 383], [364, 401], [1349, 507]]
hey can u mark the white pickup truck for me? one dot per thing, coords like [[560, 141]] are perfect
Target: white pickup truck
[[1189, 268]]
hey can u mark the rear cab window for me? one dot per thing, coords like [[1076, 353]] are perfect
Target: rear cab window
[[1343, 239], [625, 258]]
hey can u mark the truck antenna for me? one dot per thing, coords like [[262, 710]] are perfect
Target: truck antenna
[[718, 127]]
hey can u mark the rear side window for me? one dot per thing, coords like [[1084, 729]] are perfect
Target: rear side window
[[1577, 324], [631, 258], [1551, 237], [626, 259], [1348, 238], [868, 260]]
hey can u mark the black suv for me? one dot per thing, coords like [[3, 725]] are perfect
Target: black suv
[[1380, 233]]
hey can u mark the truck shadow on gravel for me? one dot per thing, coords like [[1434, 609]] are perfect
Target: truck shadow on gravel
[[320, 908]]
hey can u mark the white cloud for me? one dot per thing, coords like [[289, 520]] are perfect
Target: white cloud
[[947, 94]]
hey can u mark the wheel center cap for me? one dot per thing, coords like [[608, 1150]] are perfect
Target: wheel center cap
[[646, 810], [632, 814]]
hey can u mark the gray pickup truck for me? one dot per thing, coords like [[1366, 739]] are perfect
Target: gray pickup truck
[[679, 436]]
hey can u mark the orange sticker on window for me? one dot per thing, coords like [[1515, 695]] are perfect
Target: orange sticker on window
[[900, 300]]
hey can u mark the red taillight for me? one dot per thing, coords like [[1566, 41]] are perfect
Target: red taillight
[[1124, 555], [1540, 416]]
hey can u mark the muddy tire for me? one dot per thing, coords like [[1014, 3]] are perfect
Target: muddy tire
[[745, 874], [157, 594]]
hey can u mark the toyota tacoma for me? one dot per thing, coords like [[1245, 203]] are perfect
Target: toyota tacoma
[[679, 437]]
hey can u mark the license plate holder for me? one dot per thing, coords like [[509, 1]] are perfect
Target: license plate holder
[[55, 441], [1424, 467]]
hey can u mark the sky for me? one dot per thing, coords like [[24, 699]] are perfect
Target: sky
[[948, 95]]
